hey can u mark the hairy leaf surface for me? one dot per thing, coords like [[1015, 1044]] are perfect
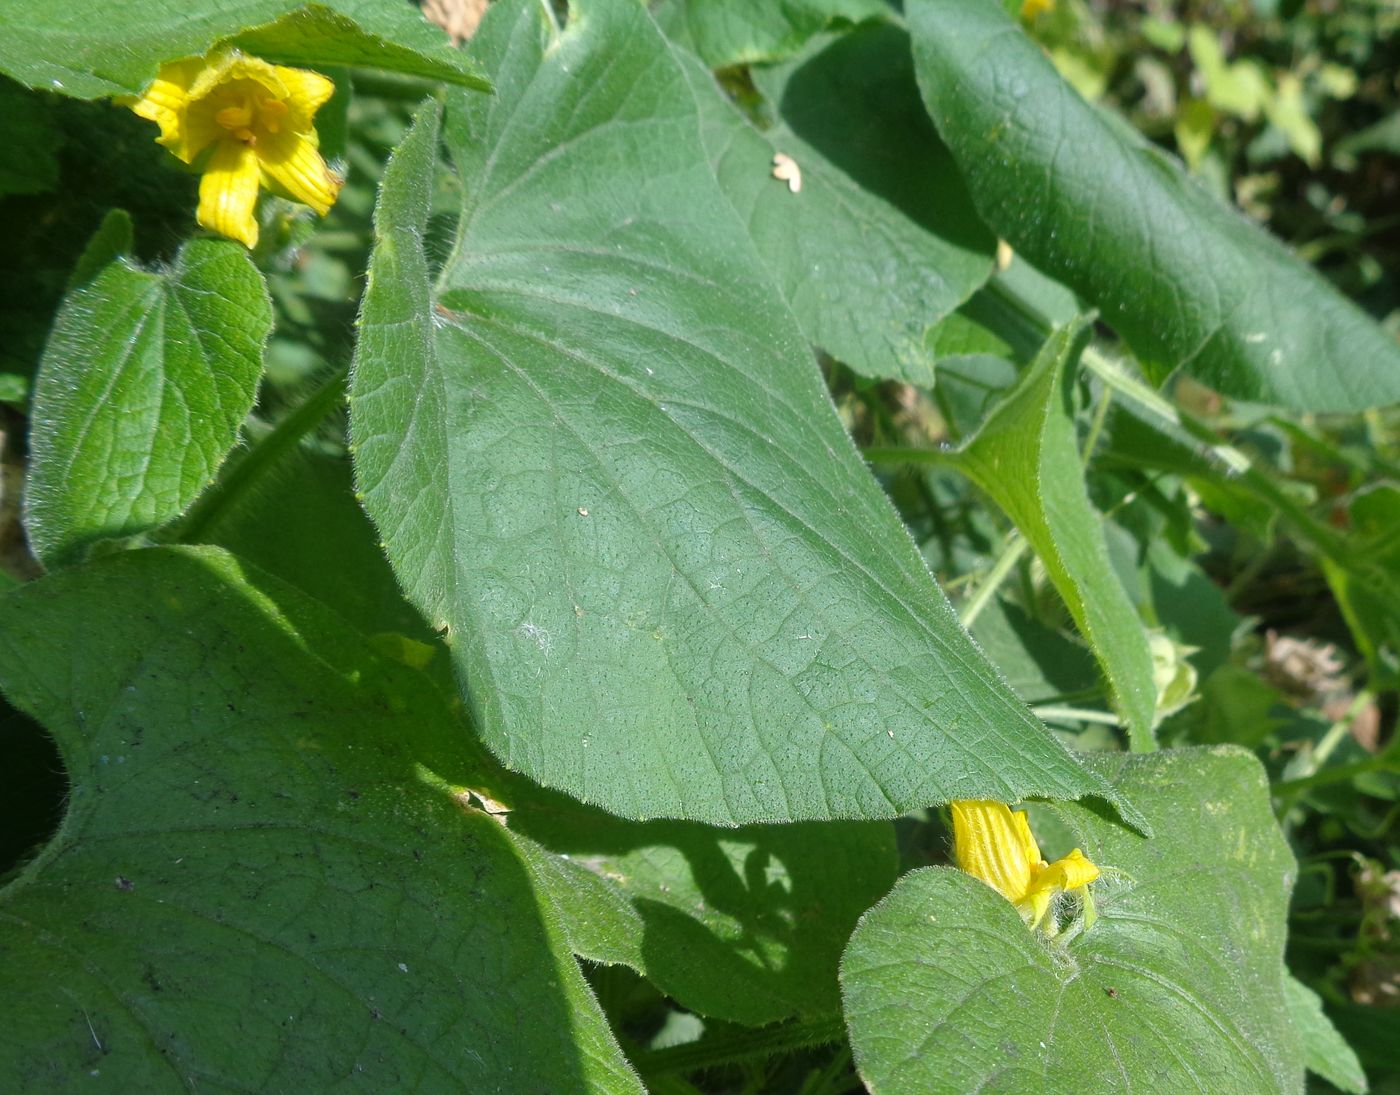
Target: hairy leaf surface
[[1325, 1051], [1178, 985], [144, 383], [92, 48], [254, 887], [1186, 281], [1026, 456], [602, 461]]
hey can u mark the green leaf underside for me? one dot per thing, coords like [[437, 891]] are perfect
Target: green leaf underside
[[1178, 986], [1186, 281], [1325, 1051], [1026, 457], [742, 924], [552, 451], [252, 888], [92, 48], [878, 244], [141, 391], [726, 33]]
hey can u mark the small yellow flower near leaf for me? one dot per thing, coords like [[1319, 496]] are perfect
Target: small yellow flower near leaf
[[1031, 8], [251, 123], [997, 846]]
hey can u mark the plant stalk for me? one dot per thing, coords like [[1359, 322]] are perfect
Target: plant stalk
[[257, 460], [737, 1045]]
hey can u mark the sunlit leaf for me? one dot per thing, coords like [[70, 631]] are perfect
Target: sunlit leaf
[[1186, 281], [1178, 985], [91, 48], [143, 385], [1026, 457], [603, 463]]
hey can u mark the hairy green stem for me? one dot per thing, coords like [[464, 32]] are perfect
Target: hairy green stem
[[1078, 714], [1288, 790], [258, 460], [1096, 427], [1004, 304], [1233, 460], [1011, 553], [1338, 731], [734, 1046]]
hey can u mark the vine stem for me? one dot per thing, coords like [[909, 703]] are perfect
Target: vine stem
[[1232, 459], [1078, 714], [734, 1046], [256, 460], [1011, 553], [1387, 760]]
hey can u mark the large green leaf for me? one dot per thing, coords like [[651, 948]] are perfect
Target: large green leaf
[[602, 462], [1026, 457], [1185, 280], [253, 887], [880, 241], [746, 925], [1178, 986], [726, 33], [742, 924], [92, 48], [143, 385]]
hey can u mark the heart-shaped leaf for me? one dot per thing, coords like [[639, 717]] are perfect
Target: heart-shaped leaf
[[141, 391], [1177, 986], [602, 461], [254, 886]]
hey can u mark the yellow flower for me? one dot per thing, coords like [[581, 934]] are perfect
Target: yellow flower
[[253, 122], [1031, 8], [997, 846]]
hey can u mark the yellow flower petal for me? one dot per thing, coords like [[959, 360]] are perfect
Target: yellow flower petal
[[1070, 873], [290, 161], [223, 69], [307, 92], [166, 103], [258, 119], [228, 192], [1036, 905], [995, 845]]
